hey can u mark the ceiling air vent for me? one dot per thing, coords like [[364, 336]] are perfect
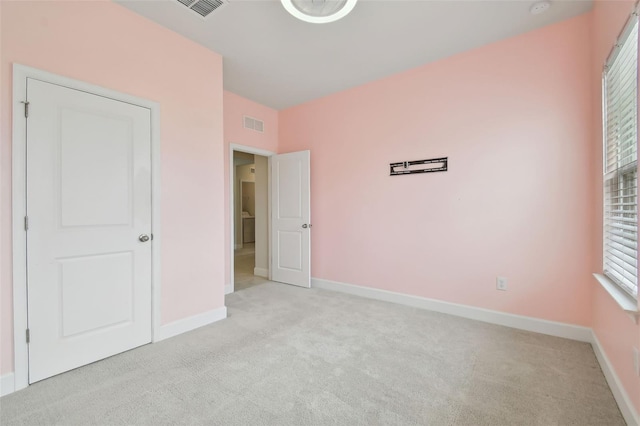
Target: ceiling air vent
[[203, 7], [253, 124]]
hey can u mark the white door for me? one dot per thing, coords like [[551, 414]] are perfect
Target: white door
[[89, 210], [290, 218]]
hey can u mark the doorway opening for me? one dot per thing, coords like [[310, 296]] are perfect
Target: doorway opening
[[250, 219], [270, 232], [248, 254]]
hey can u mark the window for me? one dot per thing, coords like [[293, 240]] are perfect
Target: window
[[620, 105]]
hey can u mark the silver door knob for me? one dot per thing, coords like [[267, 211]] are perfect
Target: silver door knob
[[144, 238], [304, 225]]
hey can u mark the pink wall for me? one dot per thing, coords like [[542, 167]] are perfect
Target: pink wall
[[615, 330], [513, 118], [235, 107], [103, 43]]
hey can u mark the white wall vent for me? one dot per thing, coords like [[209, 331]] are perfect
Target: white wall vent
[[253, 124], [203, 7]]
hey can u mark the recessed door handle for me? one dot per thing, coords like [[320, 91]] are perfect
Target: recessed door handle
[[144, 238]]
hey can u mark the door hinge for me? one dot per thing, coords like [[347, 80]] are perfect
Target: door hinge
[[28, 336], [26, 223], [26, 108]]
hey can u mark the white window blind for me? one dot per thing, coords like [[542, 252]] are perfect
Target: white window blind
[[620, 102]]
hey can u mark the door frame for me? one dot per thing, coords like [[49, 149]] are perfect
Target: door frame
[[230, 288], [19, 188]]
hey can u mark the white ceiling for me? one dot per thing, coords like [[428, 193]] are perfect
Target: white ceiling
[[279, 61]]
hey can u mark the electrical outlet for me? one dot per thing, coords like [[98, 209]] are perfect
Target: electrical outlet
[[501, 283], [636, 361]]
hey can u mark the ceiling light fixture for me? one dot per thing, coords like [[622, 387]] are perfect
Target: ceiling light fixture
[[540, 7], [319, 11]]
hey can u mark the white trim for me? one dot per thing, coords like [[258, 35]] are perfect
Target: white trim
[[156, 209], [623, 299], [18, 176], [232, 229], [261, 272], [621, 396], [269, 220], [191, 323], [520, 322], [7, 384], [18, 182]]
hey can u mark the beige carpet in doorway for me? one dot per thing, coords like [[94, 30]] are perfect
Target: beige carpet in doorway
[[243, 265]]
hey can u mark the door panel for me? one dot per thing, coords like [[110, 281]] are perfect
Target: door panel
[[290, 255], [104, 157], [289, 180], [88, 200], [106, 303], [291, 198]]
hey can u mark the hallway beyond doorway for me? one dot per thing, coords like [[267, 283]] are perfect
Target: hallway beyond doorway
[[244, 264]]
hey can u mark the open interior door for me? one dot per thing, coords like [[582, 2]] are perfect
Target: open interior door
[[290, 218]]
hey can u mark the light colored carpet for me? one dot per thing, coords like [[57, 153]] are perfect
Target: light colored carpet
[[292, 356]]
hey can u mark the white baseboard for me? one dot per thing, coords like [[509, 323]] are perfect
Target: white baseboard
[[261, 272], [191, 323], [228, 288], [558, 329], [7, 384], [622, 397]]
